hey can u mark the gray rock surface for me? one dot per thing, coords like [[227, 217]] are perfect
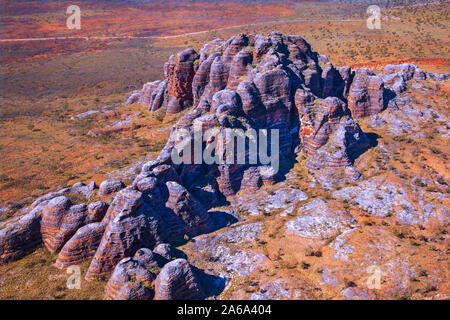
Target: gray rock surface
[[318, 220]]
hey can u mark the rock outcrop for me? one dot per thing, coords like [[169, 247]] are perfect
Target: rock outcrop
[[133, 278], [135, 220], [275, 85], [366, 96], [180, 73], [271, 83], [169, 252], [82, 246], [396, 76], [108, 187], [178, 281], [20, 236], [189, 209], [60, 221], [131, 224], [342, 148]]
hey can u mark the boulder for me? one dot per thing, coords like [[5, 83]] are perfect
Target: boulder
[[169, 252], [96, 211], [108, 187], [146, 95]]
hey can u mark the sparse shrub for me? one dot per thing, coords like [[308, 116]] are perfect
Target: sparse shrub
[[159, 114], [418, 182]]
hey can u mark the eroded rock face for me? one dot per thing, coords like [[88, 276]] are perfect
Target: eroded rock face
[[96, 211], [136, 220], [20, 236], [133, 278], [342, 147], [189, 209], [275, 82], [148, 93], [131, 224], [319, 118], [60, 221], [180, 74], [82, 246], [137, 278], [366, 96], [254, 82], [271, 83], [178, 281]]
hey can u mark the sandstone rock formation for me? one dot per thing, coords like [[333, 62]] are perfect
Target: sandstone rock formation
[[274, 82], [110, 186], [82, 246], [178, 281], [169, 252], [248, 82], [135, 220], [61, 220], [20, 236], [366, 96], [134, 278]]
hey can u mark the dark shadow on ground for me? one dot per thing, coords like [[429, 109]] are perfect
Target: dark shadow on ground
[[212, 285], [222, 219], [388, 95], [357, 152], [373, 137]]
